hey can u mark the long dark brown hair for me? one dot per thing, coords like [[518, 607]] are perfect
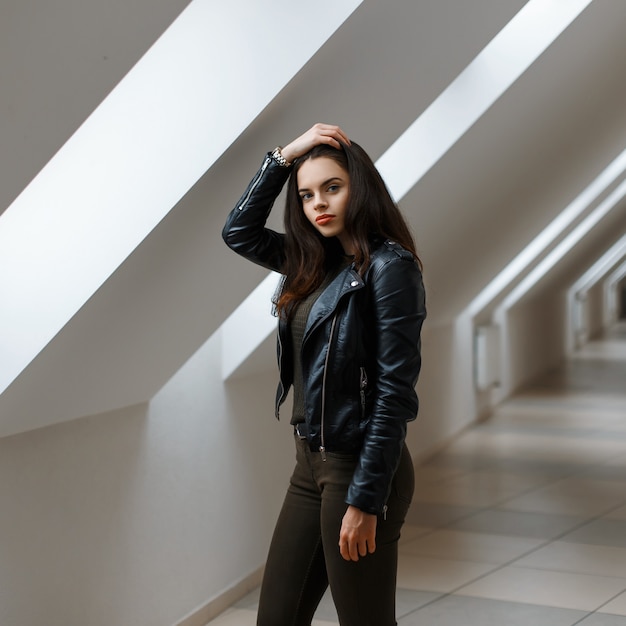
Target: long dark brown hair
[[371, 217]]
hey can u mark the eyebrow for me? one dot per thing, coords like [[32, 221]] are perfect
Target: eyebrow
[[326, 182]]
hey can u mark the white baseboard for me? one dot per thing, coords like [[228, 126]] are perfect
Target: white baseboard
[[203, 614]]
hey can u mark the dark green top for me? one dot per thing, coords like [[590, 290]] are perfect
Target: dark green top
[[297, 325]]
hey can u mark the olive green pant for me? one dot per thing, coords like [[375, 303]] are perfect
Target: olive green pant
[[304, 556]]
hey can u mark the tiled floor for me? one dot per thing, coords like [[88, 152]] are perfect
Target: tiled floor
[[523, 520]]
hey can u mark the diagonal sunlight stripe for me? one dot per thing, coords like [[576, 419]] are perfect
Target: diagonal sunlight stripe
[[182, 105], [549, 235], [248, 326], [563, 247], [620, 272], [616, 252], [509, 54]]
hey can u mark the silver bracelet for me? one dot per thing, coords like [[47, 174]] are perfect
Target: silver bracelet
[[277, 155]]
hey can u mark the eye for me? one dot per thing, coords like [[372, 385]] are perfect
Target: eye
[[305, 196], [333, 188]]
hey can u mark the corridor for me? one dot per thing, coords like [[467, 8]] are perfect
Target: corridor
[[523, 519]]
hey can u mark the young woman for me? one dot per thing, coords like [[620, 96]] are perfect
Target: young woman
[[350, 311]]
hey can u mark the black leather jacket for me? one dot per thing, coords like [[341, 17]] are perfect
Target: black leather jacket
[[360, 349]]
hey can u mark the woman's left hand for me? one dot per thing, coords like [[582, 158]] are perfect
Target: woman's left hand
[[357, 536]]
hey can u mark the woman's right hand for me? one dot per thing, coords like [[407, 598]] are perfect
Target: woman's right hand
[[318, 134]]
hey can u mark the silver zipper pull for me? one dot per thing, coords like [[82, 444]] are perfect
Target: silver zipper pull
[[323, 452], [385, 513]]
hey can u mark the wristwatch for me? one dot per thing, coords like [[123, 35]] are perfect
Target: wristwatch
[[277, 155]]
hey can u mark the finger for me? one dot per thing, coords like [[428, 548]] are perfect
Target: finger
[[340, 137], [349, 549], [371, 544], [330, 138], [363, 548], [343, 550], [333, 134], [354, 551], [335, 142]]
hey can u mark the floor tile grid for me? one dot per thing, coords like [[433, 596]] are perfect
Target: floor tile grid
[[599, 612], [500, 504], [498, 567], [579, 472], [545, 543], [495, 569]]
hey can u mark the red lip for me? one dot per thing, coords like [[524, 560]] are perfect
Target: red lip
[[324, 219]]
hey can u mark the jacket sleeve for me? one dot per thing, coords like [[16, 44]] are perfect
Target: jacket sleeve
[[245, 232], [398, 310]]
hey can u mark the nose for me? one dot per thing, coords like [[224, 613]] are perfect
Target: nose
[[320, 202]]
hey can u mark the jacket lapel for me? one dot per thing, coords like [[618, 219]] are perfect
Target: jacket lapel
[[345, 282]]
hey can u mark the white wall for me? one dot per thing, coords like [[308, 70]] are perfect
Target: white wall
[[141, 515], [535, 339], [445, 388], [595, 310]]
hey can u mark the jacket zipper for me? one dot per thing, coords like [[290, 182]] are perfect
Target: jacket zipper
[[362, 388], [280, 366], [254, 185], [330, 340]]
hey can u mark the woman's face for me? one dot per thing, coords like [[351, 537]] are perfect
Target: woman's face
[[324, 188]]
